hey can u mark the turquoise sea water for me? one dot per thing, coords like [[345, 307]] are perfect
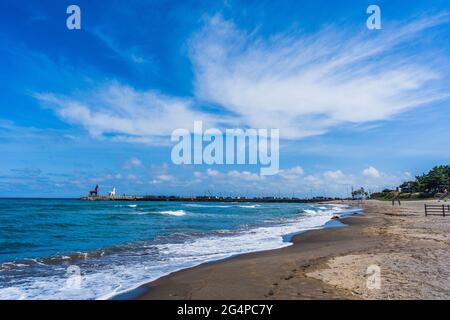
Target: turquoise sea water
[[71, 249]]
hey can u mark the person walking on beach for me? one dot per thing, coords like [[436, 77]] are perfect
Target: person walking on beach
[[444, 196], [396, 197]]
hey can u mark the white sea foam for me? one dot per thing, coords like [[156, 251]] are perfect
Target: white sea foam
[[12, 293], [177, 213], [195, 205]]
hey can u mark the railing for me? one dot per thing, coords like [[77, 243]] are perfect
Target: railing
[[437, 209]]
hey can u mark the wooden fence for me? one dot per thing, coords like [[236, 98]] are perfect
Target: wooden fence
[[437, 209]]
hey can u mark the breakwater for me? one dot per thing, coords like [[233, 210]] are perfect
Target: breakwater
[[203, 199]]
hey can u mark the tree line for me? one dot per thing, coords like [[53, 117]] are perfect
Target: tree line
[[434, 183]]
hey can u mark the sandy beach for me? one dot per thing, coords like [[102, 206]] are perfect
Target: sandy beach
[[411, 250]]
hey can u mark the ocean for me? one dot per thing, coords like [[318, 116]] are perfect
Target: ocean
[[72, 249]]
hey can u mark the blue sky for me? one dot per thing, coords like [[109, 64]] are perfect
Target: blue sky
[[355, 107]]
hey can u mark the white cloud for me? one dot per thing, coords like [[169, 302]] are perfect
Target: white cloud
[[212, 173], [198, 174], [294, 181], [307, 84], [371, 172], [334, 175], [125, 114], [164, 178], [303, 84], [292, 173], [245, 175], [235, 182], [228, 176], [132, 163]]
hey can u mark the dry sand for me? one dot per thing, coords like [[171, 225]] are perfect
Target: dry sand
[[411, 251]]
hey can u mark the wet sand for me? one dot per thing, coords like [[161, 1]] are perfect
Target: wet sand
[[411, 250]]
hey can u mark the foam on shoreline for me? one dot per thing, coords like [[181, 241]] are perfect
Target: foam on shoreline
[[140, 266]]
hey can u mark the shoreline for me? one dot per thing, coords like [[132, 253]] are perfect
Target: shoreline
[[143, 289], [146, 291], [330, 263], [137, 265]]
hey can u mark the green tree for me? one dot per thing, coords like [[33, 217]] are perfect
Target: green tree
[[359, 193], [436, 180]]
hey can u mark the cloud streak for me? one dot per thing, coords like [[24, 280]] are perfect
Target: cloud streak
[[122, 113], [303, 84], [308, 84]]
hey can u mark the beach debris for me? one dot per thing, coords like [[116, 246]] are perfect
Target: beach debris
[[335, 217]]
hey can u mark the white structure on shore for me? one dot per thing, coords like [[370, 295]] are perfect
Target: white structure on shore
[[112, 193]]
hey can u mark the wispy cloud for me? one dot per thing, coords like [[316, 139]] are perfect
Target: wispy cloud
[[122, 113], [306, 84], [134, 54], [303, 84]]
